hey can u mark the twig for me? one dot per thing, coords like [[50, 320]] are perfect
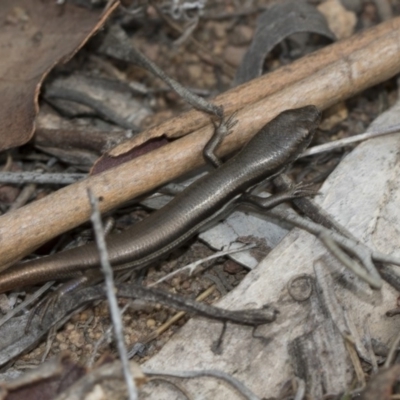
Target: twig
[[175, 385], [351, 351], [187, 33], [361, 348], [392, 352], [369, 347], [175, 318], [83, 98], [347, 261], [204, 53], [112, 299], [26, 303], [301, 389], [24, 196], [192, 266], [116, 44], [250, 317], [40, 178], [7, 166], [105, 336], [310, 208], [243, 390], [356, 248], [328, 298], [353, 139], [385, 258]]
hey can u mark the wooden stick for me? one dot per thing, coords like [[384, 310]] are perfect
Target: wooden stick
[[253, 91], [373, 58]]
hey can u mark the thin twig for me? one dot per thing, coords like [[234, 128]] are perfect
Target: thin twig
[[204, 53], [117, 45], [82, 98], [362, 252], [175, 385], [105, 336], [353, 139], [351, 351], [347, 261], [385, 258], [40, 178], [231, 15], [112, 299], [243, 390], [310, 208], [192, 266], [250, 316], [368, 340], [23, 197], [175, 318], [361, 348], [392, 352], [26, 303], [301, 389], [328, 297]]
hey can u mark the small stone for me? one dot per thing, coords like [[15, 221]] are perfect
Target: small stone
[[175, 282], [234, 55], [334, 115], [341, 21], [231, 267], [161, 316], [77, 339], [63, 346], [60, 337], [151, 323], [242, 35], [195, 71], [69, 327], [186, 285], [219, 31]]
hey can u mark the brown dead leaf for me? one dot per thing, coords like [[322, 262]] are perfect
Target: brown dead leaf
[[380, 385], [35, 35], [45, 382]]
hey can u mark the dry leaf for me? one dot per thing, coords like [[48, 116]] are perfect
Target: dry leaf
[[278, 22], [34, 36], [44, 382]]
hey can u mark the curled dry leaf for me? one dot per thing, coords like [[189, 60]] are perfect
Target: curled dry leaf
[[35, 36], [274, 25]]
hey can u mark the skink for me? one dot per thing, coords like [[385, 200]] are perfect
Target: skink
[[272, 149]]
